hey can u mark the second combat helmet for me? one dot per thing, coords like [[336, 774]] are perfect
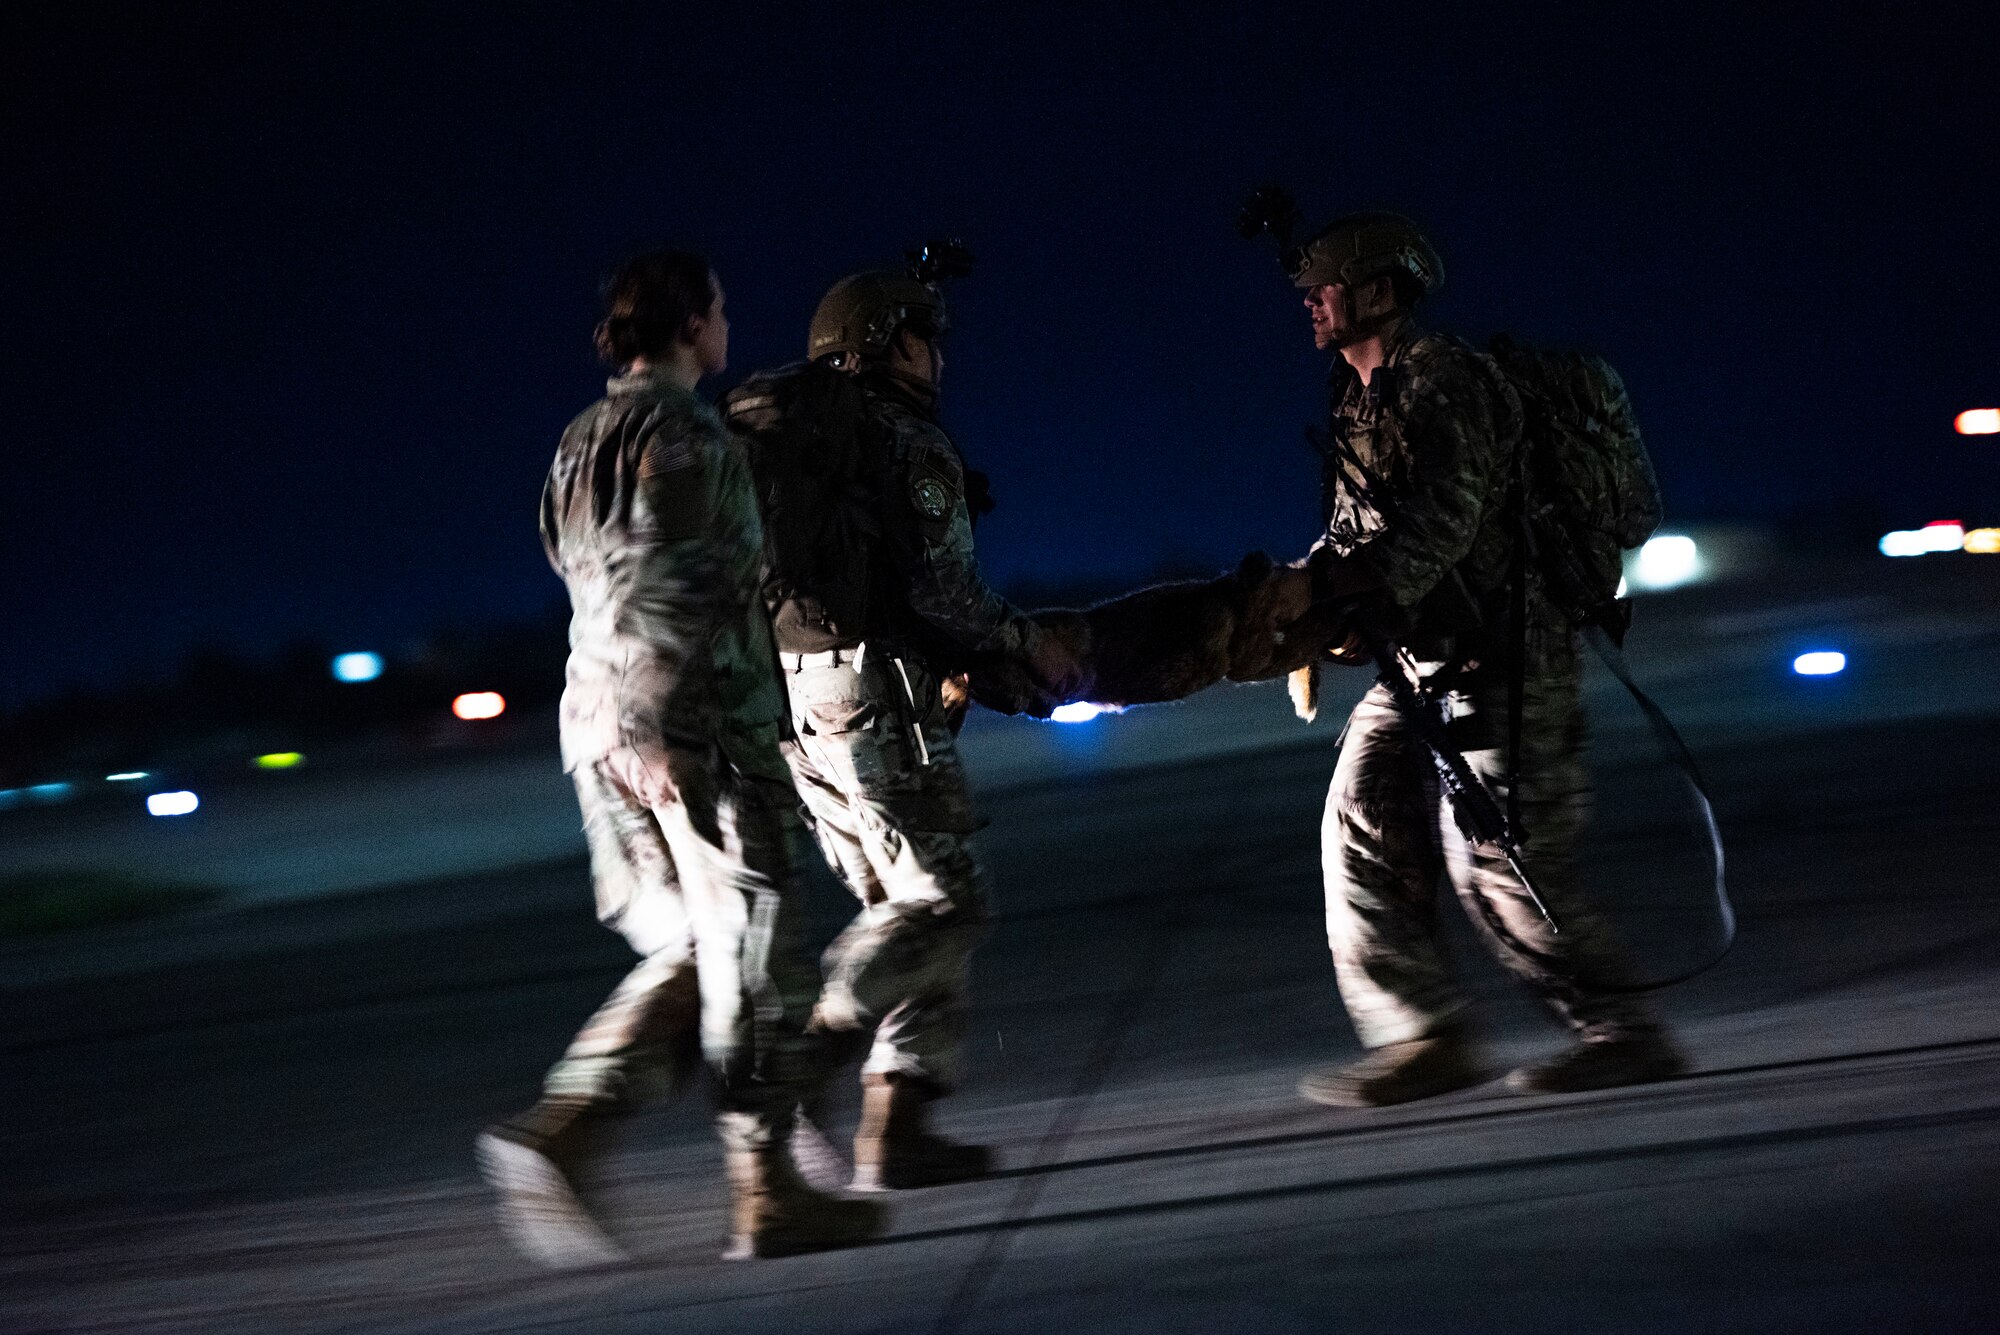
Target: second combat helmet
[[1361, 246]]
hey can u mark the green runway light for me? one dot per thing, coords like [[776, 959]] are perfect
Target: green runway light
[[279, 760]]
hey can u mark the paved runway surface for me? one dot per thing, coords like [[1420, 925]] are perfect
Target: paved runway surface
[[261, 1120]]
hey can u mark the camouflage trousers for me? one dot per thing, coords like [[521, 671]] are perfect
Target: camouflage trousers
[[705, 887], [1388, 833], [883, 787]]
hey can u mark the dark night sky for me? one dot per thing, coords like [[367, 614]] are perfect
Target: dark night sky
[[298, 302]]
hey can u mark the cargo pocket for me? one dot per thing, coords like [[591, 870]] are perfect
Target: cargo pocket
[[831, 718], [829, 702]]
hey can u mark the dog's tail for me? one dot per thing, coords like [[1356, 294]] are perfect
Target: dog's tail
[[1303, 684]]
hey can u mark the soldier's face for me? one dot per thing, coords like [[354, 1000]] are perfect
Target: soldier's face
[[1326, 307], [711, 335], [919, 357]]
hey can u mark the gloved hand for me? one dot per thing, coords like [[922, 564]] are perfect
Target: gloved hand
[[955, 693], [1354, 653]]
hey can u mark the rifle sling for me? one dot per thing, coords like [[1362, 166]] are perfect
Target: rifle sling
[[1676, 749]]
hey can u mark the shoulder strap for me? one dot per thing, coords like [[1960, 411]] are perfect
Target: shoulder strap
[[1334, 448]]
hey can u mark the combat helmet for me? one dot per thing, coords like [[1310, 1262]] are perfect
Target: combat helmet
[[861, 313], [1360, 246]]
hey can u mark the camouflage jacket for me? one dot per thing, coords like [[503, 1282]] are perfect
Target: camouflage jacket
[[1417, 487], [944, 587], [649, 517]]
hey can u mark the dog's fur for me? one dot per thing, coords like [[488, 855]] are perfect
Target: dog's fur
[[1172, 640]]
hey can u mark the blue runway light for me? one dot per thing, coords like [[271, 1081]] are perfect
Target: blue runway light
[[1820, 663], [172, 804], [1080, 712], [357, 667], [39, 792]]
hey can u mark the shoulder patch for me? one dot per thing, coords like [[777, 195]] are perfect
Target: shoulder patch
[[662, 456], [930, 495]]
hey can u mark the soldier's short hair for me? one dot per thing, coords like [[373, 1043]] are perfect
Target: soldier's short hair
[[647, 302]]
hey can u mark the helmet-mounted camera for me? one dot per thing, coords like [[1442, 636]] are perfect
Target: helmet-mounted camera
[[939, 260], [1351, 249], [1272, 209], [862, 313]]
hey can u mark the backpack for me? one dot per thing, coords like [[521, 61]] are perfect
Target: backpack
[[820, 466], [1584, 487]]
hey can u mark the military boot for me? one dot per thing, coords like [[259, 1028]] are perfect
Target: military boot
[[892, 1149], [774, 1213], [1630, 1057], [537, 1163], [823, 1166], [1418, 1068]]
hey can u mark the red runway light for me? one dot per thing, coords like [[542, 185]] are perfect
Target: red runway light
[[479, 704]]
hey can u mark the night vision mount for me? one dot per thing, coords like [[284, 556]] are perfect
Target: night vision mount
[[938, 260], [1272, 209]]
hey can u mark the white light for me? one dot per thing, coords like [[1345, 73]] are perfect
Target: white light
[[126, 776], [1903, 542], [1666, 562], [172, 804], [479, 704], [1623, 588], [1080, 712], [1819, 663], [1943, 535], [1978, 422], [357, 667]]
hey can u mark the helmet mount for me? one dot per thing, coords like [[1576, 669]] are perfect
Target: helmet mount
[[862, 313], [1350, 250]]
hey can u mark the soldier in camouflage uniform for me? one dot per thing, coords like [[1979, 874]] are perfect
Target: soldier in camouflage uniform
[[1416, 487], [874, 753], [671, 721]]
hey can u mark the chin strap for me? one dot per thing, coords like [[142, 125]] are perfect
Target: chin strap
[[1360, 329]]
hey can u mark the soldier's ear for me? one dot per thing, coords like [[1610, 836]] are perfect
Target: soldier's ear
[[1379, 297]]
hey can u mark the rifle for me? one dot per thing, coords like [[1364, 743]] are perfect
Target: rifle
[[1478, 815]]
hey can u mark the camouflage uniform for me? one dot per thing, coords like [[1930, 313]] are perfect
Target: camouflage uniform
[[671, 722], [878, 768], [1422, 502]]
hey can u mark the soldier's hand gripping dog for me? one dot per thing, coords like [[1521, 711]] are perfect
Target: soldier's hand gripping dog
[[1173, 640]]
